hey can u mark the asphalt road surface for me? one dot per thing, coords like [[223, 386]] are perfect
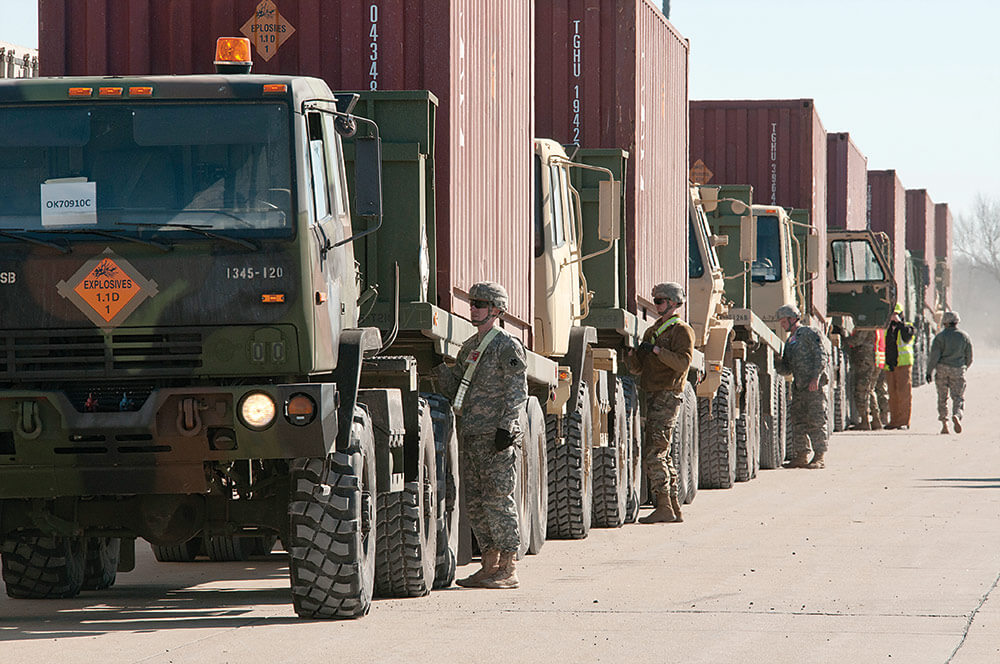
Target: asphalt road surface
[[891, 554]]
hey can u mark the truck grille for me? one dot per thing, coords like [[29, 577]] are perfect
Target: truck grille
[[73, 354]]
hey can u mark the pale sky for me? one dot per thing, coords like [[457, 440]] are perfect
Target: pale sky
[[915, 82]]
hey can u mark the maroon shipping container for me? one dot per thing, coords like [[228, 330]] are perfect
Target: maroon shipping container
[[613, 74], [776, 146], [887, 214], [847, 184], [942, 242], [474, 55], [920, 233]]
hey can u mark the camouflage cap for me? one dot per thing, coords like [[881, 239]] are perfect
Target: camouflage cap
[[671, 290], [788, 311], [491, 292], [950, 318]]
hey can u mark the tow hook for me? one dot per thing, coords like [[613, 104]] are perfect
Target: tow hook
[[189, 416], [29, 425]]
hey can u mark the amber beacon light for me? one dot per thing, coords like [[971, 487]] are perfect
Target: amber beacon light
[[232, 55]]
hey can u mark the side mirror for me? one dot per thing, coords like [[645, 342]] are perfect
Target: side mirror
[[738, 207], [812, 254], [748, 239], [368, 176], [609, 196], [709, 198]]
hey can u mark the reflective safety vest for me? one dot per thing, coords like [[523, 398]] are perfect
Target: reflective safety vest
[[673, 320], [880, 348], [904, 350]]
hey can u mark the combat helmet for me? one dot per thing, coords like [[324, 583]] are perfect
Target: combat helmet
[[788, 311], [491, 292], [950, 318], [670, 290]]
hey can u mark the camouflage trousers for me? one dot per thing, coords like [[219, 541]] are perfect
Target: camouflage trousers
[[807, 421], [950, 379], [865, 403], [882, 395], [662, 410], [488, 484]]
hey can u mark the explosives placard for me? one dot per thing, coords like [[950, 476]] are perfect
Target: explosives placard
[[107, 289]]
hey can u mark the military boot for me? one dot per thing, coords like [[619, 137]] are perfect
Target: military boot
[[876, 424], [663, 513], [491, 562], [506, 574], [800, 460], [944, 426], [817, 461], [958, 424], [675, 505]]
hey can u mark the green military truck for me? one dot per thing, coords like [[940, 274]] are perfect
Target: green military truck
[[183, 358]]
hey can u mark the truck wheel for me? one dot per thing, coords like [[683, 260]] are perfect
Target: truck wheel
[[261, 545], [101, 562], [570, 459], [747, 428], [611, 467], [332, 528], [446, 448], [691, 415], [43, 567], [717, 437], [227, 548], [771, 454], [634, 443], [524, 467], [185, 552], [406, 552], [535, 445]]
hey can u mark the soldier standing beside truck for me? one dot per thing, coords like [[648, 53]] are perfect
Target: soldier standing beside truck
[[951, 355], [662, 362], [861, 347], [805, 359], [899, 363], [488, 387]]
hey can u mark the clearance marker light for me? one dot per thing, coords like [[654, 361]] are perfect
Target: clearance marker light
[[275, 88], [272, 298], [110, 92], [81, 92], [140, 91]]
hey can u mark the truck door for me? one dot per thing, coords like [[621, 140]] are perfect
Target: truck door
[[859, 281]]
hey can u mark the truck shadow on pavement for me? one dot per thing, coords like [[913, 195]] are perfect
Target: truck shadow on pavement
[[963, 482], [198, 595]]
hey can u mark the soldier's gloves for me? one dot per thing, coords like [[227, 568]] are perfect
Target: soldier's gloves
[[502, 440], [646, 347]]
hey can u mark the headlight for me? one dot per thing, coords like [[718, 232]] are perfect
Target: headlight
[[257, 410]]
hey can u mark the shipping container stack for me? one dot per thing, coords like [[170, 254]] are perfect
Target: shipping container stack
[[920, 229], [887, 214], [942, 255], [847, 183]]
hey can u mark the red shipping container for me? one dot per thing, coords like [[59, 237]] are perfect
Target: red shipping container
[[920, 233], [474, 55], [613, 74], [887, 214], [776, 146], [942, 241], [847, 184]]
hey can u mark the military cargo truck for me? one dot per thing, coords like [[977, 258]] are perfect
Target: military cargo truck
[[185, 361]]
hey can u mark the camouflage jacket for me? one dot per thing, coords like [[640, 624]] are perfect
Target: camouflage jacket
[[804, 357], [499, 385], [952, 348], [668, 369], [861, 347]]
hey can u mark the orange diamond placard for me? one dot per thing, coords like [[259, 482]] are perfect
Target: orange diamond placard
[[267, 29], [700, 173], [107, 289]]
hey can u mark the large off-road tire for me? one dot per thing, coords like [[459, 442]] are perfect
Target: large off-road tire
[[690, 414], [717, 437], [611, 466], [446, 449], [185, 552], [227, 548], [570, 459], [261, 545], [43, 567], [101, 562], [406, 549], [525, 468], [534, 445], [748, 427], [772, 451], [634, 437], [332, 528]]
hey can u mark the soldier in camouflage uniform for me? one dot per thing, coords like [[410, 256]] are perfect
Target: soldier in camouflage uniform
[[805, 359], [861, 350], [662, 362], [489, 399], [951, 355]]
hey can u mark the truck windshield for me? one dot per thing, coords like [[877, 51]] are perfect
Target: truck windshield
[[767, 267], [120, 167]]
